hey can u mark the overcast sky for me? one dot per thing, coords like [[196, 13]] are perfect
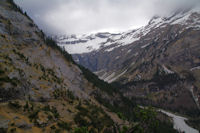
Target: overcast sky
[[86, 16]]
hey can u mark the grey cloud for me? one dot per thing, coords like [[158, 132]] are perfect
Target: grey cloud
[[85, 16]]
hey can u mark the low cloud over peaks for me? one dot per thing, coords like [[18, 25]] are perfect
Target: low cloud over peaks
[[86, 16]]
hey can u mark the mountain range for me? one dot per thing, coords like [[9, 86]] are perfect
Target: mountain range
[[158, 64], [43, 90]]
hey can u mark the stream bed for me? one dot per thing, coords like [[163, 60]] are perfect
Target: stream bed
[[179, 123]]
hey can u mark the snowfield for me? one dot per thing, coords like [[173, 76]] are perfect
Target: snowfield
[[92, 42]]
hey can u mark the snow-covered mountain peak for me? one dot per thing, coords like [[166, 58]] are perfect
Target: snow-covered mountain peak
[[109, 41]]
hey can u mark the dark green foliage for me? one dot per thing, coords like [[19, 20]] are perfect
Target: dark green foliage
[[14, 104], [30, 24], [22, 57], [195, 122], [1, 72], [7, 58], [13, 81], [53, 127], [32, 107], [26, 106], [48, 74], [50, 42], [147, 118], [70, 95], [10, 94], [80, 120], [57, 131], [64, 125], [124, 129], [5, 79], [63, 93], [159, 78], [96, 116], [104, 86], [13, 130], [17, 8], [50, 117], [2, 130], [81, 130], [124, 105], [47, 108], [55, 112], [42, 68], [33, 115], [165, 127], [57, 93], [163, 80], [52, 109], [121, 116], [148, 122]]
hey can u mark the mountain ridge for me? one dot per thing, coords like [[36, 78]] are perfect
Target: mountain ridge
[[106, 38], [154, 65]]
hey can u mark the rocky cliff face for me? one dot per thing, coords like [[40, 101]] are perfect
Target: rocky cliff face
[[29, 64], [157, 64]]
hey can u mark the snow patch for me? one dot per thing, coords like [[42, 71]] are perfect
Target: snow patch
[[84, 47], [111, 77], [136, 54], [196, 99], [77, 60], [107, 79], [116, 37], [144, 46], [133, 63], [103, 76], [98, 72], [128, 40], [167, 71], [110, 49], [195, 68], [116, 57], [129, 51], [116, 77]]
